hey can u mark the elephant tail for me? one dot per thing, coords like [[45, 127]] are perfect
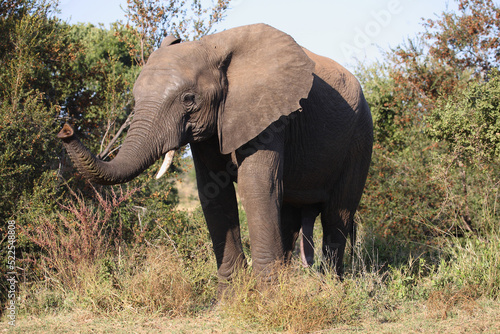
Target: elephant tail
[[352, 232]]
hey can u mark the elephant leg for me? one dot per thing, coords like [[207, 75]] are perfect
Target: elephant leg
[[220, 207], [308, 216], [290, 227], [337, 218], [336, 224], [260, 187]]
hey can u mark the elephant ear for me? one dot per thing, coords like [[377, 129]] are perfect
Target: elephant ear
[[169, 40], [268, 74]]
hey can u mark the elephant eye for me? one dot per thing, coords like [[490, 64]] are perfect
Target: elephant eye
[[188, 100]]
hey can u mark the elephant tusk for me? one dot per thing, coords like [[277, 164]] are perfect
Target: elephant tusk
[[169, 157]]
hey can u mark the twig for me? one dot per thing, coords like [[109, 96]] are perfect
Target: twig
[[170, 239], [106, 151], [110, 124], [138, 209]]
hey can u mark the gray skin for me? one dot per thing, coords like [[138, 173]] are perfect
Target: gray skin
[[292, 128]]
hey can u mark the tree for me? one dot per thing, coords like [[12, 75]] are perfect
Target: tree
[[435, 111], [52, 72], [152, 20], [453, 49], [27, 109], [468, 39], [105, 73]]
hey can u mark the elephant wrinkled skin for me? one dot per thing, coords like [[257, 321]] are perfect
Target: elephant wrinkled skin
[[292, 128]]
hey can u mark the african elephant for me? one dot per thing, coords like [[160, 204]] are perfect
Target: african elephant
[[292, 128]]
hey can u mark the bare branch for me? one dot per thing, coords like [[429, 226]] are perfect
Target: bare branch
[[107, 150], [110, 124]]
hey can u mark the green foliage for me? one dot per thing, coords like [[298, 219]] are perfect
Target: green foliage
[[470, 119], [26, 130], [26, 119], [403, 195], [389, 120]]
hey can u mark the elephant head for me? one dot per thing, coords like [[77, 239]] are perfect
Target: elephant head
[[232, 84]]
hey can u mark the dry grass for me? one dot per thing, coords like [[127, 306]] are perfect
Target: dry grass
[[168, 287], [187, 191], [153, 290], [441, 304], [159, 284], [414, 318], [301, 301], [149, 281]]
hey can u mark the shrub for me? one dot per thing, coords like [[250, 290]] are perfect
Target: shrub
[[84, 261], [79, 236], [470, 120]]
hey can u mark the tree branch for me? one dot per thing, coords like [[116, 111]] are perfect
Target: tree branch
[[107, 150]]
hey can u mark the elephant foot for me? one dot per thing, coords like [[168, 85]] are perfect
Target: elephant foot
[[225, 290]]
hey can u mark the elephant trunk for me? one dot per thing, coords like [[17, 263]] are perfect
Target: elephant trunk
[[136, 155]]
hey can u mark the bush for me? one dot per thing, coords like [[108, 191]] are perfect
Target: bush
[[470, 120], [83, 260], [80, 235]]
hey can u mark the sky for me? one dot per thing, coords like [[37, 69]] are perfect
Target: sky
[[346, 31]]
